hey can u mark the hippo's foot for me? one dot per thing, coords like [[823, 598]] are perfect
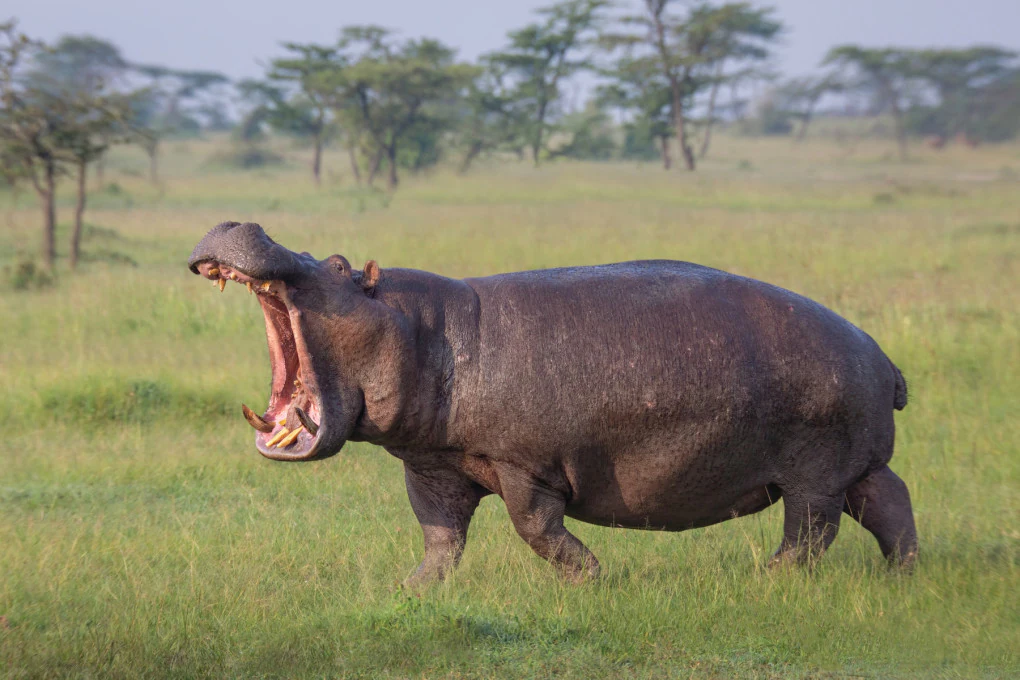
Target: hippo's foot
[[430, 571], [881, 503], [587, 571]]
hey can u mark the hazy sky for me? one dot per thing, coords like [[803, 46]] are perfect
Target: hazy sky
[[233, 36]]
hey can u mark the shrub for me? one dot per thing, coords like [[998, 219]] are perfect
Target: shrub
[[25, 274], [96, 401]]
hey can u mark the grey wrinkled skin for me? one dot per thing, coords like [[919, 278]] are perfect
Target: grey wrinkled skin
[[650, 395]]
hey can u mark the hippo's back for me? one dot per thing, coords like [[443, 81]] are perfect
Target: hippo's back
[[591, 353]]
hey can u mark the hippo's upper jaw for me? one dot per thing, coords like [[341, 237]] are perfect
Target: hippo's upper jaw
[[311, 411]]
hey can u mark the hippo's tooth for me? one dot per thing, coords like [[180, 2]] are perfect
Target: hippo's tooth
[[290, 438], [255, 420], [222, 283], [233, 276], [281, 421], [279, 435], [213, 272], [306, 421], [265, 286], [247, 284]]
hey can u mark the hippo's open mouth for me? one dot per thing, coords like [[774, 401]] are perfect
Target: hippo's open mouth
[[289, 428]]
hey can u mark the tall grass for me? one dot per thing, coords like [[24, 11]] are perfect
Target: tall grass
[[142, 536]]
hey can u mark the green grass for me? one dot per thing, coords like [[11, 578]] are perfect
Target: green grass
[[142, 536]]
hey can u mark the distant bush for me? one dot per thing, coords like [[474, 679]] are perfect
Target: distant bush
[[25, 274], [591, 136], [95, 232], [246, 158], [771, 120], [638, 143], [990, 115], [95, 401], [109, 256]]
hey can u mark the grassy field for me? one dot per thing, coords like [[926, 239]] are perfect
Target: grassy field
[[142, 536]]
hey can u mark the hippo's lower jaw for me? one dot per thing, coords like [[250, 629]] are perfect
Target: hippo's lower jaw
[[292, 427]]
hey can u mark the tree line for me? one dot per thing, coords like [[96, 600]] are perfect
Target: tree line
[[63, 106], [971, 93], [661, 71]]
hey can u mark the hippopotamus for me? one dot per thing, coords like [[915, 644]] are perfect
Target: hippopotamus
[[651, 395]]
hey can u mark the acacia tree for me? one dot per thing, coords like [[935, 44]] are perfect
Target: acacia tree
[[490, 117], [311, 70], [94, 121], [999, 104], [397, 90], [960, 79], [542, 55], [680, 45], [49, 122], [885, 73], [798, 98], [639, 91], [732, 33], [78, 64], [168, 105], [31, 125], [79, 69]]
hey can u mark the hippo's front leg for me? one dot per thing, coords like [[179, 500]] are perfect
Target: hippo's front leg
[[443, 501]]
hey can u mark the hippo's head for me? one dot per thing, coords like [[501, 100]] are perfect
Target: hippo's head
[[324, 331]]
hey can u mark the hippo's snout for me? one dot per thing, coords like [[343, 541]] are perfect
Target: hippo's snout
[[248, 249], [309, 416]]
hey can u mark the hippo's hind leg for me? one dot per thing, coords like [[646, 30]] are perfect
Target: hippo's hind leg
[[443, 501], [537, 513], [881, 503], [810, 524]]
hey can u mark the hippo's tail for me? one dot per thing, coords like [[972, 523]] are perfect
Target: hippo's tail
[[900, 395]]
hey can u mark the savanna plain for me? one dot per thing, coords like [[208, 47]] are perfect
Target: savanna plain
[[141, 535]]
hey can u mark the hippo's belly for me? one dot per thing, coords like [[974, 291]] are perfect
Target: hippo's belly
[[678, 513], [663, 484]]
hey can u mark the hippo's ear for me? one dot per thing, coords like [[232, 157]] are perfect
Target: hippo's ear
[[371, 275]]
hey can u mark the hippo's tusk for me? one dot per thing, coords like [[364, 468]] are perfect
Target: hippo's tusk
[[222, 283], [255, 420], [307, 421]]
